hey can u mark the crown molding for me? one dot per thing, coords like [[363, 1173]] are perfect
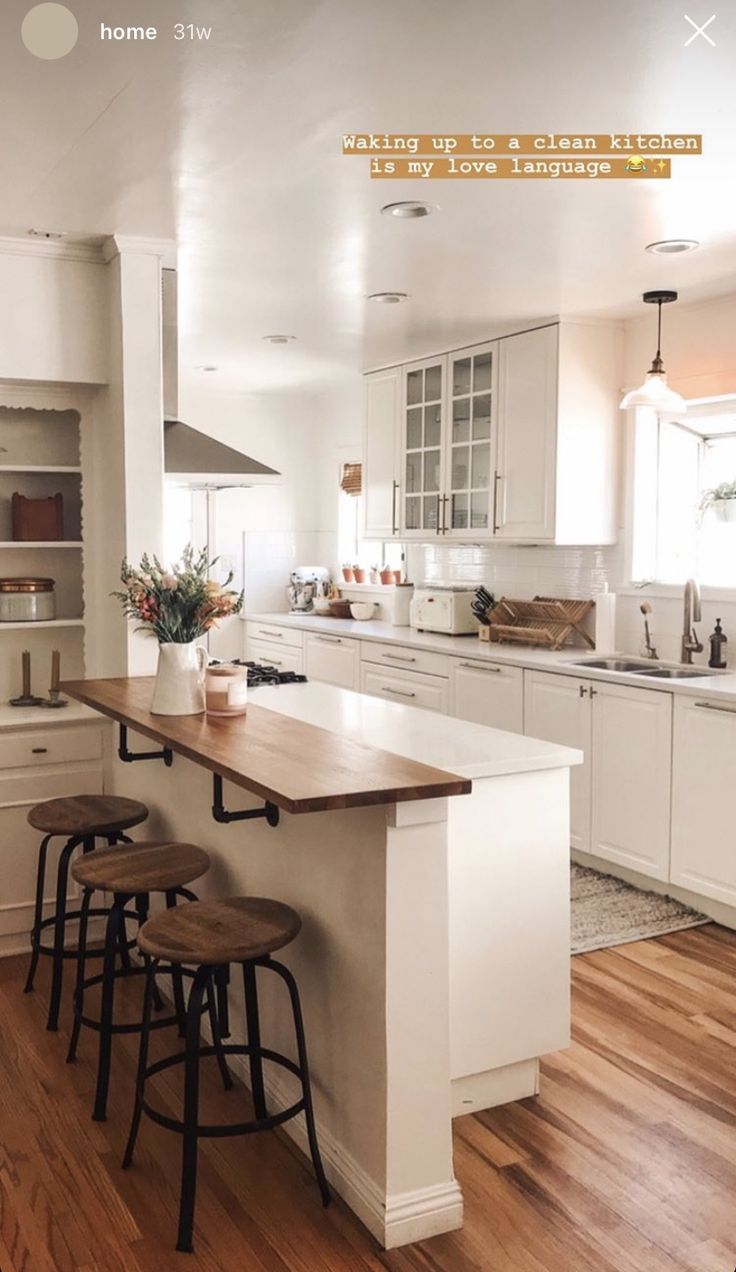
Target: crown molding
[[54, 249], [126, 245]]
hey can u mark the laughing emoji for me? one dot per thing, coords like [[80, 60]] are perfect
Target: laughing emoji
[[636, 164]]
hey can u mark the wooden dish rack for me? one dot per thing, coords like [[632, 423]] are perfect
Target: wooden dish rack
[[545, 620]]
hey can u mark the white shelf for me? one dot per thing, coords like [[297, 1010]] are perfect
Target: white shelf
[[47, 622], [39, 468], [41, 543]]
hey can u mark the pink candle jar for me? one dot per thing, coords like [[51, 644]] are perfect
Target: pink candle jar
[[226, 690]]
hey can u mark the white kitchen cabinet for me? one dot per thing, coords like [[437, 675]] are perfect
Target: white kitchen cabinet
[[335, 659], [424, 412], [412, 688], [631, 777], [517, 439], [270, 654], [381, 454], [488, 693], [704, 799], [274, 634], [558, 709], [405, 658], [524, 473]]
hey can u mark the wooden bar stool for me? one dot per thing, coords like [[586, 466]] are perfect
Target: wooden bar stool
[[80, 819], [210, 935], [131, 873]]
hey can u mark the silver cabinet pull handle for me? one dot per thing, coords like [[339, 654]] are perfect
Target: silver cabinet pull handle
[[713, 706], [263, 632], [480, 667], [394, 526], [496, 480], [403, 693], [330, 640], [399, 658], [39, 750], [582, 691]]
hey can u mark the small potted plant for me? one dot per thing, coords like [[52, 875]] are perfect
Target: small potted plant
[[387, 574], [722, 499], [347, 574], [358, 574]]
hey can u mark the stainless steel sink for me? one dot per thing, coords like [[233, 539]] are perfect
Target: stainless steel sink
[[644, 667]]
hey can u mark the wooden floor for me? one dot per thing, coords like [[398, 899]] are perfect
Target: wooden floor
[[626, 1163]]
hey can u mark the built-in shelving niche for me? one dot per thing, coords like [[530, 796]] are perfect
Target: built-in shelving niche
[[40, 456]]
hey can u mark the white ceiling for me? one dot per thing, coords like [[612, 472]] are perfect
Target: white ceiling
[[233, 148]]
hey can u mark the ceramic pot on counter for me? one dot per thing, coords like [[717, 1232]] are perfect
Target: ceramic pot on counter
[[179, 687]]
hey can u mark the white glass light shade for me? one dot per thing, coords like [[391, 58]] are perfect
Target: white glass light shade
[[656, 393]]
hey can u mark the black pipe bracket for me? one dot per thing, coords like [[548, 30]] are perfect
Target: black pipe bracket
[[129, 757], [224, 815]]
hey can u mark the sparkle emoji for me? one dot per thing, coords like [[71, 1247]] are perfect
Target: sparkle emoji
[[636, 164]]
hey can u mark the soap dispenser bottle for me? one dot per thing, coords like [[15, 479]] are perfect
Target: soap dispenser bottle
[[717, 647]]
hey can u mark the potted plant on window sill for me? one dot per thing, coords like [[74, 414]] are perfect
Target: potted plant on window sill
[[722, 499]]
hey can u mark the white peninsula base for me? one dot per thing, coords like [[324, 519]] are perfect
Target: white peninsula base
[[433, 961]]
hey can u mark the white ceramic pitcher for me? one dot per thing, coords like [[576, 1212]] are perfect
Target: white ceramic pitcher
[[179, 688]]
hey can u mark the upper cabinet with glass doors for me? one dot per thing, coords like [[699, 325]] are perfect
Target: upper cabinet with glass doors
[[517, 440]]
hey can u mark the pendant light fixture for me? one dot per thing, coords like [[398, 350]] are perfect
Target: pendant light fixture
[[655, 391]]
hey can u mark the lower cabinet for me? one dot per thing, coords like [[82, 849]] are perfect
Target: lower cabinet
[[704, 799], [413, 688], [558, 709], [632, 778], [36, 765], [335, 659], [488, 693], [283, 657], [620, 795]]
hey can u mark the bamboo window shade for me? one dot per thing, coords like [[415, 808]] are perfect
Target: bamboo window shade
[[352, 479]]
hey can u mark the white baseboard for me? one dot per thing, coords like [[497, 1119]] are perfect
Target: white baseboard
[[394, 1220]]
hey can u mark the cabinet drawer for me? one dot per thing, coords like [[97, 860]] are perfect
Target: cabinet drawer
[[283, 657], [334, 659], [274, 634], [404, 658], [27, 748], [410, 688], [488, 693], [34, 788]]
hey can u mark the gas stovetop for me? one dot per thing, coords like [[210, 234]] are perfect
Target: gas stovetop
[[262, 674]]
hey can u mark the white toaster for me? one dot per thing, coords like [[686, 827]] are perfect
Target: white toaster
[[443, 609]]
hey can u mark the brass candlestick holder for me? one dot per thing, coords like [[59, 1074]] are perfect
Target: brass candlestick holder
[[55, 699], [26, 698]]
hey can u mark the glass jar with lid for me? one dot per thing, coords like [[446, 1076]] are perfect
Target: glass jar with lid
[[27, 600], [226, 690]]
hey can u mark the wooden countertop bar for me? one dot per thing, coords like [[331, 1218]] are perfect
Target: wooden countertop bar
[[296, 766]]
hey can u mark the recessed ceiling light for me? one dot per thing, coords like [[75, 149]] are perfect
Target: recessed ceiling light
[[388, 298], [206, 367], [278, 339], [409, 209], [669, 247], [45, 234]]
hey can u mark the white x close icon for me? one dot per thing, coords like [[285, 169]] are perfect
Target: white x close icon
[[700, 30]]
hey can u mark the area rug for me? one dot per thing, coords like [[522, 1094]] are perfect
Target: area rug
[[606, 911]]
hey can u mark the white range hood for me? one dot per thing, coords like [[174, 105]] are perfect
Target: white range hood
[[191, 457]]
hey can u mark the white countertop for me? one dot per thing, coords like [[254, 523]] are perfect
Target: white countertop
[[42, 718], [471, 750], [716, 686]]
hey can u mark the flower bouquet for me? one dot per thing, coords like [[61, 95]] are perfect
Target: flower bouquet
[[177, 606]]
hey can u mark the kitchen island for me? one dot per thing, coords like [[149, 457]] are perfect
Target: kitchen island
[[429, 861]]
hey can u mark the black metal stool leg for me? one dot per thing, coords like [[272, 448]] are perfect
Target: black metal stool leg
[[112, 939], [79, 990], [254, 1040], [301, 1043], [227, 1081], [142, 1063], [37, 913], [62, 879], [177, 981], [191, 1110], [222, 980]]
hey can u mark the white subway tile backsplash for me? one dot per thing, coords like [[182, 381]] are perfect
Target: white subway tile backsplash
[[578, 572]]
